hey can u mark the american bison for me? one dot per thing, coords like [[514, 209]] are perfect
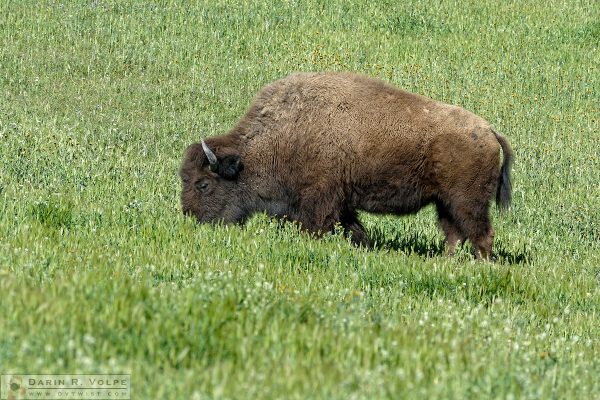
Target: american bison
[[317, 147]]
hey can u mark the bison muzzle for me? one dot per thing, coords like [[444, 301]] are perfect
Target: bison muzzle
[[317, 147]]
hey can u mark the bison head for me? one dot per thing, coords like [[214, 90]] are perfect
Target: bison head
[[210, 176]]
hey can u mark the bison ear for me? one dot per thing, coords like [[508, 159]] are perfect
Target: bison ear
[[230, 167]]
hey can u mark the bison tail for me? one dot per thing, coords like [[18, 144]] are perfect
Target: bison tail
[[504, 188]]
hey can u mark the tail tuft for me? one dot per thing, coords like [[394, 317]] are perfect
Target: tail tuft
[[504, 189]]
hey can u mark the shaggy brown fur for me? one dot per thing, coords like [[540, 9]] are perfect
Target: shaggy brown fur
[[317, 147]]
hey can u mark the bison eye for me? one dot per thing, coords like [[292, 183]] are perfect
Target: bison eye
[[202, 185]]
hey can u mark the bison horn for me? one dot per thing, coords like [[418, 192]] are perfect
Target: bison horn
[[212, 159]]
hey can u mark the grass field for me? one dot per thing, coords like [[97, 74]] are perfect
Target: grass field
[[99, 272]]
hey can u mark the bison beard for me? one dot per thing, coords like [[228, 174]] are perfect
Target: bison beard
[[318, 147]]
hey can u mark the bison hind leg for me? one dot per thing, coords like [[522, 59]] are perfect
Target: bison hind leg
[[483, 244], [454, 236], [468, 220], [475, 222]]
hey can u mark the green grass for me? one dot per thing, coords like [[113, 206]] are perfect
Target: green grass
[[99, 272]]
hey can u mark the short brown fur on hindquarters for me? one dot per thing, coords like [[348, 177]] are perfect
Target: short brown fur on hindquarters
[[318, 147]]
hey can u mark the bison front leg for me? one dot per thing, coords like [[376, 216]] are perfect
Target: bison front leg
[[315, 226], [357, 234], [317, 212], [326, 223], [354, 229]]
